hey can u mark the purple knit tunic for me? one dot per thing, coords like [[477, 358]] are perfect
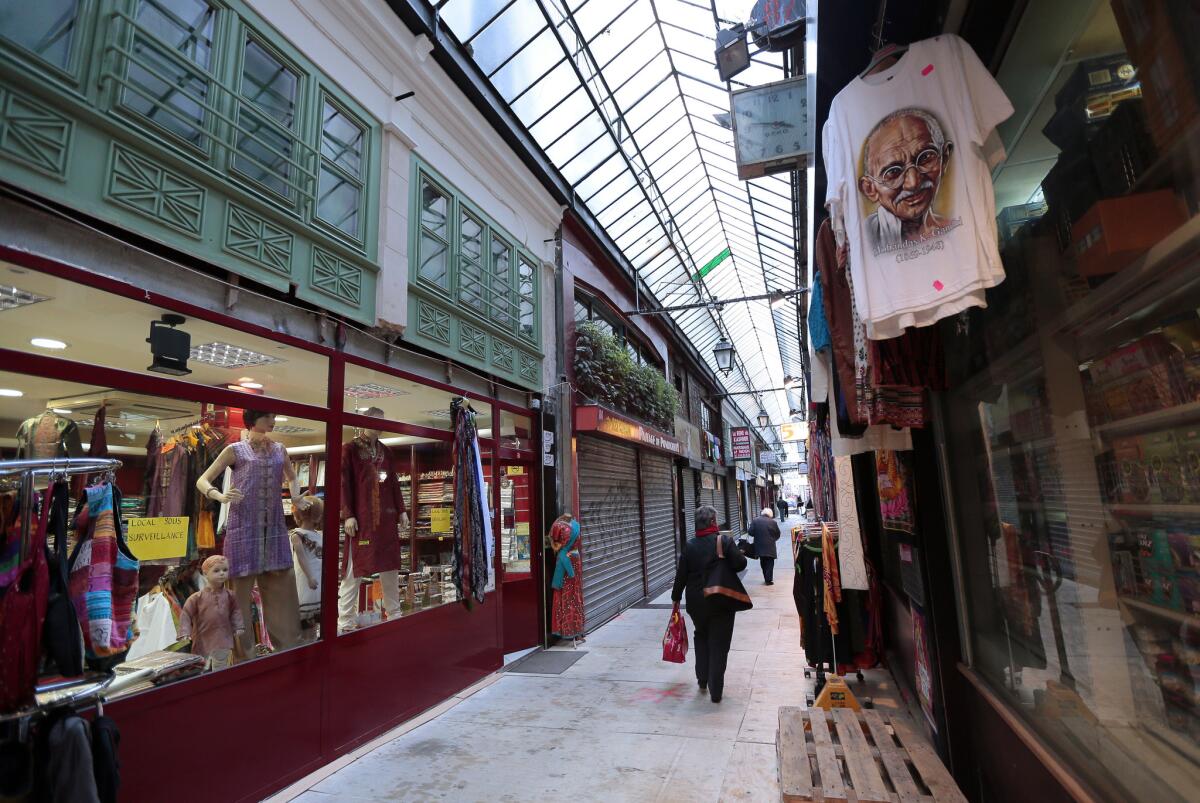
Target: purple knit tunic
[[256, 538]]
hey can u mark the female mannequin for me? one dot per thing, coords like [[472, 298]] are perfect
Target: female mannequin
[[373, 513], [256, 537]]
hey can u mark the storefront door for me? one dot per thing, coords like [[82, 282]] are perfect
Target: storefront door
[[517, 517]]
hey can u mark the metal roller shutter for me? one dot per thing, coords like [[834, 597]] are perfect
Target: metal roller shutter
[[658, 510], [736, 524], [612, 533], [689, 502], [708, 496]]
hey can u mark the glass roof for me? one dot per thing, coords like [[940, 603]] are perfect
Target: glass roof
[[624, 98]]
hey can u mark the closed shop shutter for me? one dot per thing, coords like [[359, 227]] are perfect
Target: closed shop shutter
[[612, 532], [736, 522], [658, 506], [689, 502]]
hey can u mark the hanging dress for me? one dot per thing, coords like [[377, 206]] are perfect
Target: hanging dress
[[256, 536]]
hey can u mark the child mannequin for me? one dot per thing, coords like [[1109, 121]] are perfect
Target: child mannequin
[[307, 551], [211, 617]]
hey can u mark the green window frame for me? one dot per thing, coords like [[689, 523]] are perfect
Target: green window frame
[[52, 31], [488, 274], [340, 185], [264, 151]]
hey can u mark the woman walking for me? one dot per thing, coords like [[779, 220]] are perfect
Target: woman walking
[[713, 627]]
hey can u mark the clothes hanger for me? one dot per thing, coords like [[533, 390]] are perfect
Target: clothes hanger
[[881, 55]]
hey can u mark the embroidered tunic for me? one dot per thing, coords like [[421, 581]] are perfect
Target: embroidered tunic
[[371, 494], [256, 537]]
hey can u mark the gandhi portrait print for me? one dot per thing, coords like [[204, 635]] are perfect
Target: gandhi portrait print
[[904, 159]]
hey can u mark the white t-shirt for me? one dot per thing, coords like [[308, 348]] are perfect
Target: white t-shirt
[[904, 155]]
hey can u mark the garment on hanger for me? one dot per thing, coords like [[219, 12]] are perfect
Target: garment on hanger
[[47, 436], [895, 494], [22, 611], [70, 775], [106, 767], [376, 504], [903, 154]]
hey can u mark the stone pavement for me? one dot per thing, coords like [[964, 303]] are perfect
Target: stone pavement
[[619, 725]]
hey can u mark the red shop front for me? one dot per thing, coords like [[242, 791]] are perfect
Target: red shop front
[[73, 343]]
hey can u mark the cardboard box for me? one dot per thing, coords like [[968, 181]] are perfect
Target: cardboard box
[[1162, 38], [1115, 231]]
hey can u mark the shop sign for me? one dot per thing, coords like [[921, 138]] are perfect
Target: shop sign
[[793, 432], [707, 481], [803, 468], [514, 471], [439, 519], [689, 435], [522, 528], [924, 667], [593, 418], [739, 438], [157, 538], [766, 458]]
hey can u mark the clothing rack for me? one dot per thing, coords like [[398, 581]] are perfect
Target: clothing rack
[[55, 468], [805, 536], [78, 694]]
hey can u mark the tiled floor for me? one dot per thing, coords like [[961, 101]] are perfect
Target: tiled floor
[[619, 725]]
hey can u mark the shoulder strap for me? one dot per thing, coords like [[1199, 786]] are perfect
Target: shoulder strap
[[720, 551]]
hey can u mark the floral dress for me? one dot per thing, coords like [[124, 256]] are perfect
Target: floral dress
[[567, 611]]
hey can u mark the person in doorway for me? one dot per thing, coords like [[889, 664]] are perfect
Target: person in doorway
[[765, 533], [713, 631]]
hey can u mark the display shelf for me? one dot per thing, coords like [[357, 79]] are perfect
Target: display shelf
[[1155, 510], [1182, 617], [1159, 419]]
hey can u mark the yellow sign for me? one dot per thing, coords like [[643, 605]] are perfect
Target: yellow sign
[[793, 432], [522, 528], [157, 538], [514, 471], [439, 519]]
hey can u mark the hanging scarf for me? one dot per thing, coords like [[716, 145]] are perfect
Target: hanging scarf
[[832, 581], [470, 529], [563, 567], [707, 531]]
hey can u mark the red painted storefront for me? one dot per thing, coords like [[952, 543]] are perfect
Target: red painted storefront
[[246, 731]]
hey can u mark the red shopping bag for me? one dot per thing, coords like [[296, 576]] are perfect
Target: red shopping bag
[[675, 640]]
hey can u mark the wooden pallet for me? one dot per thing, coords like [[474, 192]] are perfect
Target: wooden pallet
[[857, 756]]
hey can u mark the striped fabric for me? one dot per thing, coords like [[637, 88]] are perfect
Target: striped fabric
[[103, 577]]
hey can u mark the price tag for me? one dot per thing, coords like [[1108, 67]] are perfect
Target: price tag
[[157, 538], [439, 520]]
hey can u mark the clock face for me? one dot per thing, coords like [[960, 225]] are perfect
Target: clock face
[[771, 122]]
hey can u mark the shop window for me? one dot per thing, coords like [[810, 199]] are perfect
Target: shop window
[[47, 29], [171, 529], [516, 431], [65, 319], [405, 483], [168, 75], [267, 113], [470, 272], [434, 247], [582, 312], [340, 185]]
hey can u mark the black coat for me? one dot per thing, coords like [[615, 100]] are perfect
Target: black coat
[[694, 566], [765, 533]]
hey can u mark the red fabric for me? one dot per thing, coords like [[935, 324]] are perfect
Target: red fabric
[[675, 640], [707, 531], [22, 611], [376, 505]]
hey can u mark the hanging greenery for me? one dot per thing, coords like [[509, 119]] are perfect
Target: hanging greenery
[[606, 373]]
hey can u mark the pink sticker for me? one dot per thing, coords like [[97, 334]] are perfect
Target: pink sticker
[[937, 284], [928, 69]]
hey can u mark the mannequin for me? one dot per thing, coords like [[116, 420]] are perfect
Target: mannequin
[[373, 513], [307, 551], [256, 538], [211, 618]]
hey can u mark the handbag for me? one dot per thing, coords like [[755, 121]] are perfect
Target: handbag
[[22, 609], [675, 640], [746, 544], [61, 634], [724, 591]]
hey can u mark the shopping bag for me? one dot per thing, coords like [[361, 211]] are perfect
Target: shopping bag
[[746, 544], [675, 640]]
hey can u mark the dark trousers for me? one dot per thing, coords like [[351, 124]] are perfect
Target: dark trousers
[[713, 636], [768, 567]]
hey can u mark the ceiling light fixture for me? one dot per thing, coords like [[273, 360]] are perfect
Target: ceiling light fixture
[[371, 390], [227, 355], [251, 385], [47, 343], [13, 297], [279, 419], [10, 393], [60, 410]]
